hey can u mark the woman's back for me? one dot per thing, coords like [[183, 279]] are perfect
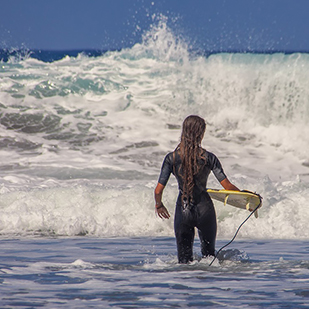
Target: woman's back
[[207, 162]]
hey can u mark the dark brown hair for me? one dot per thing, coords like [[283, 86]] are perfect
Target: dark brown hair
[[193, 129]]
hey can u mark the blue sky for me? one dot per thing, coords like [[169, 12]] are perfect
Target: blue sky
[[229, 25]]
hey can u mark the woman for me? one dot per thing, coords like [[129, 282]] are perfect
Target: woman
[[191, 165]]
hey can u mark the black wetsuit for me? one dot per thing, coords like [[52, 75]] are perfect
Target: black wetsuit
[[200, 212]]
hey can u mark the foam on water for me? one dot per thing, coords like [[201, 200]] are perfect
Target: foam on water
[[80, 208], [82, 139], [143, 273]]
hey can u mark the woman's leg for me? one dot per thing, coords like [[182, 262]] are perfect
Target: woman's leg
[[207, 227], [184, 237]]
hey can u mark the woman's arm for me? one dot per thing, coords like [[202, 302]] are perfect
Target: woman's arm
[[228, 186], [160, 208]]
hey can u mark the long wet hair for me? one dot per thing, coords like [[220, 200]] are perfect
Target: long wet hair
[[190, 150]]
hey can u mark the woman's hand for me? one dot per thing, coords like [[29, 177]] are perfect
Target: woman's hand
[[160, 208], [162, 212]]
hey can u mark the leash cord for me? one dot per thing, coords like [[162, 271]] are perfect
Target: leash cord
[[235, 233]]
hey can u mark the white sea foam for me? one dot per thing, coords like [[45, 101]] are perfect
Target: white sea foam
[[127, 210], [82, 139]]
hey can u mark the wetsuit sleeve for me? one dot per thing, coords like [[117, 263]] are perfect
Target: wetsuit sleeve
[[166, 169], [217, 168]]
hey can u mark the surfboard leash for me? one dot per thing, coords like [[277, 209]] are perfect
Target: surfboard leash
[[255, 209]]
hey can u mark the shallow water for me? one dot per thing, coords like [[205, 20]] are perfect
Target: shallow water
[[89, 272]]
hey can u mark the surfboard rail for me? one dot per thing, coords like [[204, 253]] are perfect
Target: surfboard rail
[[241, 199]]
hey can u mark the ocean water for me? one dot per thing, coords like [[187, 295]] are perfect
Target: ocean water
[[82, 139]]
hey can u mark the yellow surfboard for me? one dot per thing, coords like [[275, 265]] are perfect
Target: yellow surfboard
[[240, 199]]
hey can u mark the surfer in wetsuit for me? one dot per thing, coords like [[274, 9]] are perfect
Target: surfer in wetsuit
[[191, 165]]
